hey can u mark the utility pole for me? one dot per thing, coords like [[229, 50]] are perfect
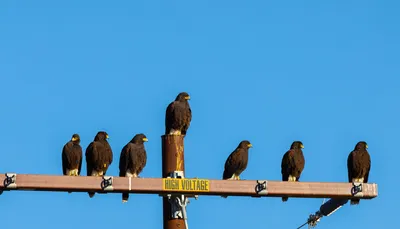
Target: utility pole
[[175, 188], [173, 166]]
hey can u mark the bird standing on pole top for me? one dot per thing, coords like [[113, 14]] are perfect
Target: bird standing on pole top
[[358, 166], [292, 164], [132, 160], [99, 156], [178, 115]]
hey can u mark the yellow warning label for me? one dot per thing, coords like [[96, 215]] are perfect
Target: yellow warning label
[[196, 185]]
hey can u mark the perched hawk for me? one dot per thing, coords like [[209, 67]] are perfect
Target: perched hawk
[[178, 115], [133, 159], [237, 161], [99, 156], [358, 166], [72, 157], [292, 164]]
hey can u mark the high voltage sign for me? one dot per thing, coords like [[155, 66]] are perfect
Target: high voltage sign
[[198, 185]]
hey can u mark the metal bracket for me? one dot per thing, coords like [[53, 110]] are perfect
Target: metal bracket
[[10, 182], [357, 189], [178, 207], [314, 219], [106, 183], [176, 174], [178, 202], [261, 187], [326, 209]]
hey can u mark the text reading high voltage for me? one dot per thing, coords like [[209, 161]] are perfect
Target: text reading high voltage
[[197, 185]]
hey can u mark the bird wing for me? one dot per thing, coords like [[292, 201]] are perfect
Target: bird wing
[[91, 157], [232, 164], [64, 158], [285, 166], [123, 160], [368, 166], [169, 117], [79, 151], [350, 166]]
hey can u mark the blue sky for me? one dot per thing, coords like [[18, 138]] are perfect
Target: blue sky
[[325, 73]]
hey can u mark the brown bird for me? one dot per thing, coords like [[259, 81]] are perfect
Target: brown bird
[[99, 156], [132, 160], [237, 161], [292, 164], [358, 166], [72, 157], [178, 115]]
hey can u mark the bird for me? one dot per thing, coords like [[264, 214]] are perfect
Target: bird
[[292, 164], [133, 159], [178, 115], [71, 157], [99, 156], [358, 166], [237, 161]]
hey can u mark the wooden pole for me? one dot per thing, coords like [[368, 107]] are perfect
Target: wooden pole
[[172, 160]]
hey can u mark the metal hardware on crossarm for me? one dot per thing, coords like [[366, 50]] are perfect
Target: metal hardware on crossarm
[[10, 180], [357, 188], [106, 183], [260, 186]]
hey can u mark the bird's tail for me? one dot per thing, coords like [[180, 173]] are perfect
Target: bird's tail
[[69, 192], [224, 197], [228, 176], [284, 199], [91, 194], [354, 201], [125, 197]]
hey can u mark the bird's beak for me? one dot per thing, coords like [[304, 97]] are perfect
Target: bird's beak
[[250, 145], [302, 146], [366, 146], [107, 136], [74, 139], [145, 139], [187, 97]]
